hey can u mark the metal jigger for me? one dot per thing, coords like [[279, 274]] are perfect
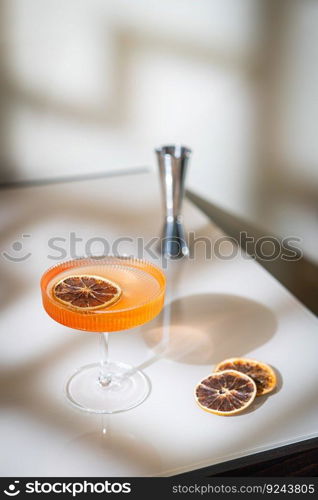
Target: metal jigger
[[173, 162]]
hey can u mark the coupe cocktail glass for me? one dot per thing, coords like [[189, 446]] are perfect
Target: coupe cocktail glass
[[107, 386]]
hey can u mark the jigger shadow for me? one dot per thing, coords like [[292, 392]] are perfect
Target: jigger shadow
[[206, 328]]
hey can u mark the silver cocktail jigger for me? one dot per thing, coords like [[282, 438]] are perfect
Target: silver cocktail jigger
[[173, 162]]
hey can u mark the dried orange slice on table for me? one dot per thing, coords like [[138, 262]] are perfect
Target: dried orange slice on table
[[85, 292], [226, 392], [262, 374]]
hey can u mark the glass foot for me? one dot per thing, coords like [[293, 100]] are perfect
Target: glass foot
[[121, 388]]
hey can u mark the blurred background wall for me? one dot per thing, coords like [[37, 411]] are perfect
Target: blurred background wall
[[88, 86]]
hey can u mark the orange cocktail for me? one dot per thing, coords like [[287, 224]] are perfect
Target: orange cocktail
[[104, 295]]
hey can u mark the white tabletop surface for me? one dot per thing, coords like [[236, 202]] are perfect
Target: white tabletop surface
[[215, 309]]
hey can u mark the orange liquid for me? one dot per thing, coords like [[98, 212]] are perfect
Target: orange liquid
[[142, 285]]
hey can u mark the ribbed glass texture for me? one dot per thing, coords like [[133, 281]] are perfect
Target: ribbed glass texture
[[143, 289]]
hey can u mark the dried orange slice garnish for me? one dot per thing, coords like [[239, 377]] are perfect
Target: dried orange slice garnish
[[85, 292], [225, 393], [262, 374]]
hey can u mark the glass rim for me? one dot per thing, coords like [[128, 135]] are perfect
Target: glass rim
[[99, 259]]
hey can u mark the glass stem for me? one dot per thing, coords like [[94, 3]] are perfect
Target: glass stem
[[105, 377]]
